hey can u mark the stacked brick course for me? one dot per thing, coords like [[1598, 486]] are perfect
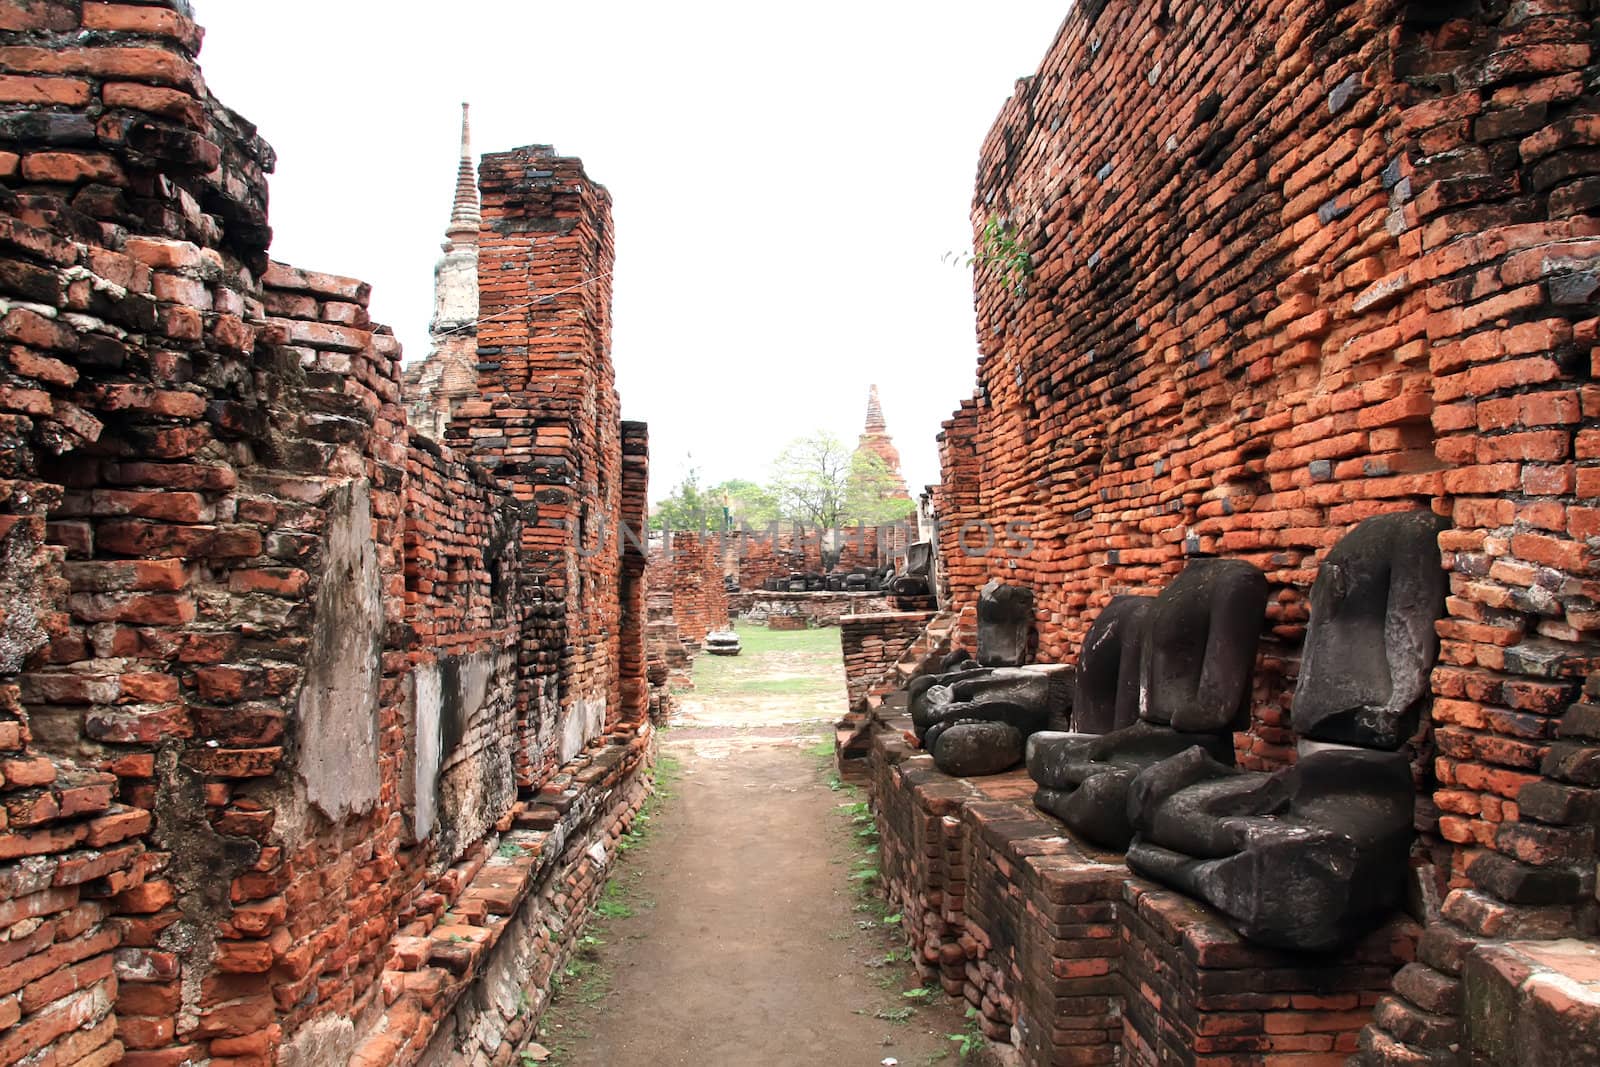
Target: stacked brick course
[[871, 643], [1289, 266], [272, 667]]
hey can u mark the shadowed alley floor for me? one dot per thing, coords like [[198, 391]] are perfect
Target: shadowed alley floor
[[735, 934]]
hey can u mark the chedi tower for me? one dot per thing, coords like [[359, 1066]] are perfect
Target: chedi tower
[[875, 440], [449, 374]]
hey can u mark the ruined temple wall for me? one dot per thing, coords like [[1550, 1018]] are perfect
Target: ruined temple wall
[[1289, 266], [129, 404], [687, 601], [668, 658], [244, 607], [546, 422], [1170, 377], [464, 615], [633, 666], [1265, 314], [699, 601], [870, 644], [759, 555]]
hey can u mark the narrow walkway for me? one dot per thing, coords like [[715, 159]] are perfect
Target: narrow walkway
[[735, 934]]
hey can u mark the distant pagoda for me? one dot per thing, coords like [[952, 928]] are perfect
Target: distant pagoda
[[876, 440], [435, 386]]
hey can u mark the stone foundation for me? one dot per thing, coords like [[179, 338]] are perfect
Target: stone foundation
[[822, 609]]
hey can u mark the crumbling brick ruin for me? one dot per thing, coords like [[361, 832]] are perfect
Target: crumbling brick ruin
[[314, 732], [687, 600], [1248, 274], [774, 553]]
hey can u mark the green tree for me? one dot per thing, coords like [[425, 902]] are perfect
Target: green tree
[[867, 492], [809, 480], [820, 481], [688, 507], [746, 501]]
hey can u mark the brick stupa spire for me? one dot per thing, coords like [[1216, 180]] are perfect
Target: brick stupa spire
[[875, 439], [464, 217], [875, 424], [435, 386]]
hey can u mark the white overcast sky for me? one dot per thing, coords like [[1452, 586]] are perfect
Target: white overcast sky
[[786, 180]]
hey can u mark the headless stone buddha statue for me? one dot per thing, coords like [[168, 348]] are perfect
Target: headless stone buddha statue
[[1196, 646], [1313, 855], [918, 577], [976, 719], [1106, 693]]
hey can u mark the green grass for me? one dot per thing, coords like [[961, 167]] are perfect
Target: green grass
[[757, 639], [799, 663]]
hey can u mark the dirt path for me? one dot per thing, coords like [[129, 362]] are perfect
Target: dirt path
[[735, 934]]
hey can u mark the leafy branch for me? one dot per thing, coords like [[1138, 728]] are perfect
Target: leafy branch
[[1000, 248]]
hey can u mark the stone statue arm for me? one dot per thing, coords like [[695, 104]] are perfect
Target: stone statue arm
[[1416, 599], [1193, 804]]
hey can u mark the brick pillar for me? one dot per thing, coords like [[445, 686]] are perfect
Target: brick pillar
[[957, 502], [546, 422], [633, 686]]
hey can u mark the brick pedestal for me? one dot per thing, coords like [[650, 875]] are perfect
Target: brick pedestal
[[1195, 992], [1073, 960]]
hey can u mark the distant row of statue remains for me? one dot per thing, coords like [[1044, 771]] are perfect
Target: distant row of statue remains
[[913, 580], [1134, 750]]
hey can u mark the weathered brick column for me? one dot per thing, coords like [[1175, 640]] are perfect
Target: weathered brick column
[[634, 705], [546, 423]]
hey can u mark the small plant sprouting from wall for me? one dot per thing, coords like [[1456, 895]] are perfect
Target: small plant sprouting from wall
[[1000, 247]]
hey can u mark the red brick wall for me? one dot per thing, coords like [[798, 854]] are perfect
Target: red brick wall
[[632, 666], [546, 423], [870, 645], [759, 556], [691, 575], [464, 612], [126, 529], [230, 575], [1293, 265], [777, 552]]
